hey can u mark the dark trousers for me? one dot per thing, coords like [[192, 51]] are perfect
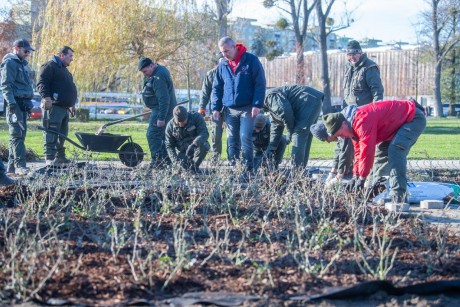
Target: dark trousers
[[56, 119]]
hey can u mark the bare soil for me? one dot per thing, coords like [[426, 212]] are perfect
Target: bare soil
[[241, 245]]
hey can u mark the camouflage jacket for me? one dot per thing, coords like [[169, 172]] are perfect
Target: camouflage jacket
[[261, 139], [158, 92], [15, 79], [362, 83], [195, 131], [206, 88]]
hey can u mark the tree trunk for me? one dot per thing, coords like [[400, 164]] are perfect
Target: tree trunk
[[300, 67], [327, 108], [437, 90], [223, 26], [437, 57], [222, 12], [453, 90]]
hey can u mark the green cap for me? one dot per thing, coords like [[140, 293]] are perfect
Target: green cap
[[333, 122]]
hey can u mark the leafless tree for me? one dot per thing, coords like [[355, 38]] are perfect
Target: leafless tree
[[439, 31], [299, 11], [326, 25]]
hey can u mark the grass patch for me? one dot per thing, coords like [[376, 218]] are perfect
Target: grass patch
[[441, 139]]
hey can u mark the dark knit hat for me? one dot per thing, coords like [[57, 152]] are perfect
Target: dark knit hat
[[219, 56], [23, 43], [319, 131], [180, 114], [143, 62], [354, 47], [333, 122], [260, 121]]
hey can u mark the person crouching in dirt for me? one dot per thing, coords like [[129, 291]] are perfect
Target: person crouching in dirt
[[295, 107], [399, 121], [187, 132], [261, 140]]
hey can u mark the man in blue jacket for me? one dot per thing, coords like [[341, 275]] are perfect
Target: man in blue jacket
[[239, 86]]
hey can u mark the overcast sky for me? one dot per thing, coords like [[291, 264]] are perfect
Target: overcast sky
[[388, 20]]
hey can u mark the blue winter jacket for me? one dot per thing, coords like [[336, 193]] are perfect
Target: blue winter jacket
[[244, 87]]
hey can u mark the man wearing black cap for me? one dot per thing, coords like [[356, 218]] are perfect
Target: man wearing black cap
[[261, 140], [205, 98], [16, 86], [362, 85], [398, 122], [187, 133], [158, 95]]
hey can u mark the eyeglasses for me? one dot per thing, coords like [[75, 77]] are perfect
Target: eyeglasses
[[27, 51]]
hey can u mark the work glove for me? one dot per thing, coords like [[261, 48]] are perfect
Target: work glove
[[203, 112], [190, 150], [288, 138], [332, 179], [350, 186], [359, 185], [355, 185], [47, 103]]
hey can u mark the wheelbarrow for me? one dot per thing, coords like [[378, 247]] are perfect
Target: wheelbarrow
[[130, 153]]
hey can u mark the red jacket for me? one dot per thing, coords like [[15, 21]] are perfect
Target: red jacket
[[374, 123]]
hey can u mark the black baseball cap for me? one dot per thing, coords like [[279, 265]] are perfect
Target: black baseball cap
[[23, 43]]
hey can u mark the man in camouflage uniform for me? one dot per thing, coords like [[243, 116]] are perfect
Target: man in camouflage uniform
[[158, 95], [187, 133], [295, 107], [205, 98], [261, 140], [16, 86], [362, 85]]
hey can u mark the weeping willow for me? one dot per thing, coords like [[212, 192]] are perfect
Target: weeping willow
[[109, 36]]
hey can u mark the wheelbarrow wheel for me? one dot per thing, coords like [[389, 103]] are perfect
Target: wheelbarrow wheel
[[131, 155]]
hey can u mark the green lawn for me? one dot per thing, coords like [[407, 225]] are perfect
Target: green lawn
[[441, 139]]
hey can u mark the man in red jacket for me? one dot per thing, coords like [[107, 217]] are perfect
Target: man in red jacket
[[399, 121]]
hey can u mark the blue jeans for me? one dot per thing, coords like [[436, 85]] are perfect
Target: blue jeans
[[239, 135]]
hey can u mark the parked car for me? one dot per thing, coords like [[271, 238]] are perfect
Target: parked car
[[36, 110], [446, 106]]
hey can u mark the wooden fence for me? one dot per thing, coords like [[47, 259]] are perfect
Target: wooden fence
[[402, 72]]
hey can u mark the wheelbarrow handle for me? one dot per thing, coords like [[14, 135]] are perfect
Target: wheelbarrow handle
[[120, 120], [61, 135], [103, 127]]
